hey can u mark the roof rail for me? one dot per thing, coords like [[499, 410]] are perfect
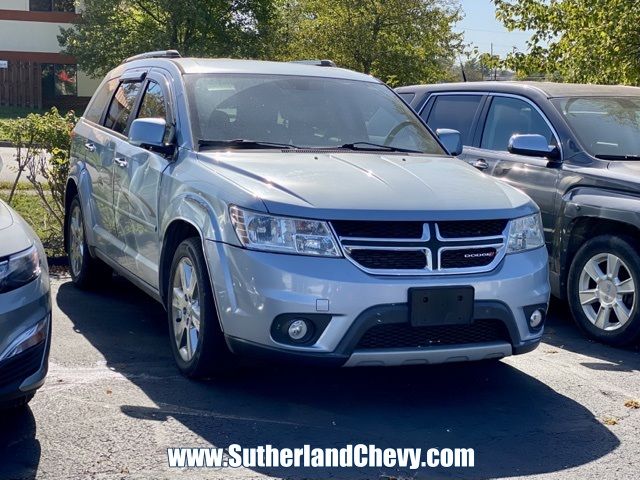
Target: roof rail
[[157, 54], [317, 63]]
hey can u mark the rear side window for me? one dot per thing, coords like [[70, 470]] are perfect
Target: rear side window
[[456, 112], [121, 106], [100, 100], [407, 97]]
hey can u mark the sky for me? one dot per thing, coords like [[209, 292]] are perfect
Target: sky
[[481, 28]]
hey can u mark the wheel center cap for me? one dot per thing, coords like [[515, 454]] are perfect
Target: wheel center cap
[[607, 292]]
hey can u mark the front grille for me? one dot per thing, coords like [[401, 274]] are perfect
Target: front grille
[[472, 228], [467, 258], [360, 229], [403, 335], [423, 248], [390, 259], [21, 366]]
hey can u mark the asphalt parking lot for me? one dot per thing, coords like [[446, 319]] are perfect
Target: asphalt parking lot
[[114, 402]]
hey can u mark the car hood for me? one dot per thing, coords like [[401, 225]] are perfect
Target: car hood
[[629, 168], [14, 234], [373, 186]]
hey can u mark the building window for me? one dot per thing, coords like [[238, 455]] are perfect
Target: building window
[[52, 6], [59, 80]]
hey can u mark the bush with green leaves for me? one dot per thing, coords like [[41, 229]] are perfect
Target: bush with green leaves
[[43, 143]]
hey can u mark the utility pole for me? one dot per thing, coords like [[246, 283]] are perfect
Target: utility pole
[[495, 69]]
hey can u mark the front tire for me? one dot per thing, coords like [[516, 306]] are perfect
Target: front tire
[[197, 341], [86, 271], [603, 290]]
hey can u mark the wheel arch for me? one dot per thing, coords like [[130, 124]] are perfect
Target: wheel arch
[[588, 213], [70, 192], [177, 231]]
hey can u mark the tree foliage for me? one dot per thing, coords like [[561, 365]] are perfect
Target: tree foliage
[[399, 41], [42, 143], [110, 31], [586, 41]]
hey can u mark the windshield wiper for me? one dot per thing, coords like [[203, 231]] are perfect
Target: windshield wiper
[[364, 146], [243, 143], [618, 157]]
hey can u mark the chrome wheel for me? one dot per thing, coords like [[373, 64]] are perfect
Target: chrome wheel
[[607, 291], [76, 241], [185, 309]]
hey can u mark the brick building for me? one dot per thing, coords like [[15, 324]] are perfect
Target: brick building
[[33, 72]]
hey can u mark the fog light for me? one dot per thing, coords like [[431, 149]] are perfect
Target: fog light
[[535, 320], [298, 330]]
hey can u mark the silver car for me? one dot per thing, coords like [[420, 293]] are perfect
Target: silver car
[[298, 212], [25, 310]]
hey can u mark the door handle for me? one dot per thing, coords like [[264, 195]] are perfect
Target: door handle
[[121, 162], [90, 147], [481, 164]]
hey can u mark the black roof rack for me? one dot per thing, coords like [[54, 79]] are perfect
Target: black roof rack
[[157, 54], [317, 63]]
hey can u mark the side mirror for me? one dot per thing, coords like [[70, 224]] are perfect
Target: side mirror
[[451, 139], [148, 132], [532, 145]]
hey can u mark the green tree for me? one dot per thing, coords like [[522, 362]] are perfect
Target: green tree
[[590, 41], [110, 31], [399, 41]]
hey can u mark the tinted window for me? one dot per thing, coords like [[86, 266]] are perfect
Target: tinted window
[[608, 127], [100, 100], [509, 116], [303, 111], [52, 5], [58, 80], [456, 112], [121, 106], [407, 97], [153, 104]]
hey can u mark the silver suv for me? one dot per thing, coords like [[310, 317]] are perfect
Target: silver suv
[[299, 212]]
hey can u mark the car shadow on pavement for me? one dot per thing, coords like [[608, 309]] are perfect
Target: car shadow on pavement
[[562, 332], [517, 425], [18, 442]]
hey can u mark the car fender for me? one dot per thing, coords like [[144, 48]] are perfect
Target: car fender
[[587, 202]]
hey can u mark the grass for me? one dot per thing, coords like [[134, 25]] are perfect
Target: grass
[[29, 206]]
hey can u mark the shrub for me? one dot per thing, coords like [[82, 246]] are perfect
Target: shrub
[[43, 142]]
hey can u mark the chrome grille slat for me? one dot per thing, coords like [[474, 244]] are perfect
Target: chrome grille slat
[[483, 253]]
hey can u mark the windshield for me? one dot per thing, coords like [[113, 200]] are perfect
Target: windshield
[[607, 127], [309, 112]]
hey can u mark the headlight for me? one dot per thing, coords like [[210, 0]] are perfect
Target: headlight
[[259, 231], [525, 234], [19, 269]]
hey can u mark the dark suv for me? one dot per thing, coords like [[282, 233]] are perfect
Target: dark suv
[[575, 149]]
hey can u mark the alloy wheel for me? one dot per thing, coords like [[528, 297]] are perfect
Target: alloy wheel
[[185, 309], [607, 291], [76, 241]]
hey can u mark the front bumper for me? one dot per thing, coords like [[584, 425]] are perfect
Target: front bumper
[[21, 310], [253, 288]]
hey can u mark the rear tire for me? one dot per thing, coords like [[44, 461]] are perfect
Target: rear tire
[[86, 271], [197, 341], [603, 290]]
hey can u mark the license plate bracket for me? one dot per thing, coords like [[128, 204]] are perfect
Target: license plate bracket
[[432, 306]]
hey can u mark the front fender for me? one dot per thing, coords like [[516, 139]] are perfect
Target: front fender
[[591, 203]]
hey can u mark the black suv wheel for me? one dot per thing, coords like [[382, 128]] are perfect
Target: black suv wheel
[[603, 290]]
